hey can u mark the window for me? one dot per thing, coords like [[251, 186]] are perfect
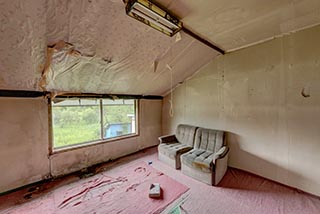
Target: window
[[80, 121]]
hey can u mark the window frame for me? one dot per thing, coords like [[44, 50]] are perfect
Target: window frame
[[102, 140]]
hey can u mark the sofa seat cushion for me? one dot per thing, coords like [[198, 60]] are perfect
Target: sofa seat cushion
[[199, 158], [173, 149]]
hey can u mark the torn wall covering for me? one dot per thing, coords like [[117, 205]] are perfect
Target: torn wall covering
[[93, 46], [118, 54], [69, 70]]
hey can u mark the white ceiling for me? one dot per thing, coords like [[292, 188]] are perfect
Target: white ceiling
[[105, 51]]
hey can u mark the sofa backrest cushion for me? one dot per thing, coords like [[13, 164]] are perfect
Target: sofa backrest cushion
[[209, 139], [185, 134]]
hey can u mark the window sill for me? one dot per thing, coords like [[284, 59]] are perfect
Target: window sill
[[91, 143]]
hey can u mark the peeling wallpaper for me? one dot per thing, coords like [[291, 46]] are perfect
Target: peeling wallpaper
[[118, 54], [267, 95]]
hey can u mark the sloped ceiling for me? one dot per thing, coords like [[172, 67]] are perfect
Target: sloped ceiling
[[93, 46], [234, 24]]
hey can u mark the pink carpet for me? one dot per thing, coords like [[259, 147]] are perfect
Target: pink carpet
[[239, 192], [119, 190]]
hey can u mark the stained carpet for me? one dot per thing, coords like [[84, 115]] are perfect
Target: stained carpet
[[122, 190], [239, 192]]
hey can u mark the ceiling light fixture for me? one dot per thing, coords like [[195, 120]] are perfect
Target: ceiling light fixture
[[152, 15]]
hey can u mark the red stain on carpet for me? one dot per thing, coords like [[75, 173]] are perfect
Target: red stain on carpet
[[140, 169]]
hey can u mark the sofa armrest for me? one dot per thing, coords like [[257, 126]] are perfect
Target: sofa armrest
[[168, 139], [220, 164], [223, 151]]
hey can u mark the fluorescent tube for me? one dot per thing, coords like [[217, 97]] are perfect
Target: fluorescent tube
[[160, 25], [154, 15]]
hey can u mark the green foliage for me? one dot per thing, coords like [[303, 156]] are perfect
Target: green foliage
[[66, 116], [70, 135], [117, 114], [78, 124]]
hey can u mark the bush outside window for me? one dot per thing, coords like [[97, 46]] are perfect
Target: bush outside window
[[79, 121]]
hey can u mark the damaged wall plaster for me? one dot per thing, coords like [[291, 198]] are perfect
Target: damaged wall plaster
[[24, 145], [255, 95], [118, 54], [70, 70]]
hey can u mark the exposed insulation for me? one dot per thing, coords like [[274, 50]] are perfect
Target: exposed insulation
[[93, 46], [119, 54], [69, 70]]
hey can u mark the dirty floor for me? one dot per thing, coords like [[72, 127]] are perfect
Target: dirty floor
[[239, 192]]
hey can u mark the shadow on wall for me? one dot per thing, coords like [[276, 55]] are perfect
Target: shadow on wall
[[241, 159]]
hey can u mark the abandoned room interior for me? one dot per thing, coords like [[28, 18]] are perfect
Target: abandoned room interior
[[160, 106]]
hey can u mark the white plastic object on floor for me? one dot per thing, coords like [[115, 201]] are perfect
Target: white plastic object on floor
[[155, 190]]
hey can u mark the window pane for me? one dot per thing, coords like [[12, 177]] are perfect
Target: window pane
[[75, 121], [118, 118]]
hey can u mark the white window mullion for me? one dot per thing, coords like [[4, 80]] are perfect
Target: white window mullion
[[101, 119]]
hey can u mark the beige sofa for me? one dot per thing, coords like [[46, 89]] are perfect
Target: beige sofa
[[208, 160], [172, 146]]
